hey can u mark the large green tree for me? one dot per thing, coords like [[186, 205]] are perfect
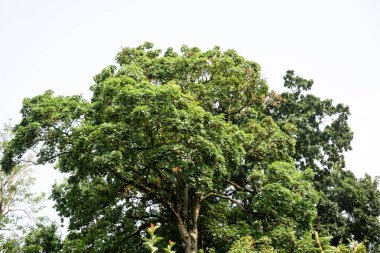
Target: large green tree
[[183, 139]]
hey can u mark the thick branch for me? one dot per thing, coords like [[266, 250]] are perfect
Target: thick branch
[[213, 194]]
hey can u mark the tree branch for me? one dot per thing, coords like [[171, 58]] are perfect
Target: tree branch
[[214, 194], [239, 187]]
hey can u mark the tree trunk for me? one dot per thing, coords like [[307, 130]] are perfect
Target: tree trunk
[[190, 238], [186, 211], [189, 233], [193, 243]]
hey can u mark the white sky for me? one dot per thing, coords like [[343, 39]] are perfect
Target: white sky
[[61, 45]]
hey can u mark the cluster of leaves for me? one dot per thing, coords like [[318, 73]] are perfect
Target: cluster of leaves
[[316, 244], [323, 244], [196, 142], [42, 238], [152, 241]]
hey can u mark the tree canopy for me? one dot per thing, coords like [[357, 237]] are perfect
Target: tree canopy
[[193, 141]]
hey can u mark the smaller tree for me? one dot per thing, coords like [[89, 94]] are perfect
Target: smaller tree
[[16, 200]]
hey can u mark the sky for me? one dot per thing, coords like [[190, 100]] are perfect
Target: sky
[[61, 45]]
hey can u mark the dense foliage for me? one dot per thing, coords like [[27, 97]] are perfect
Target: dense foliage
[[195, 141], [349, 208]]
